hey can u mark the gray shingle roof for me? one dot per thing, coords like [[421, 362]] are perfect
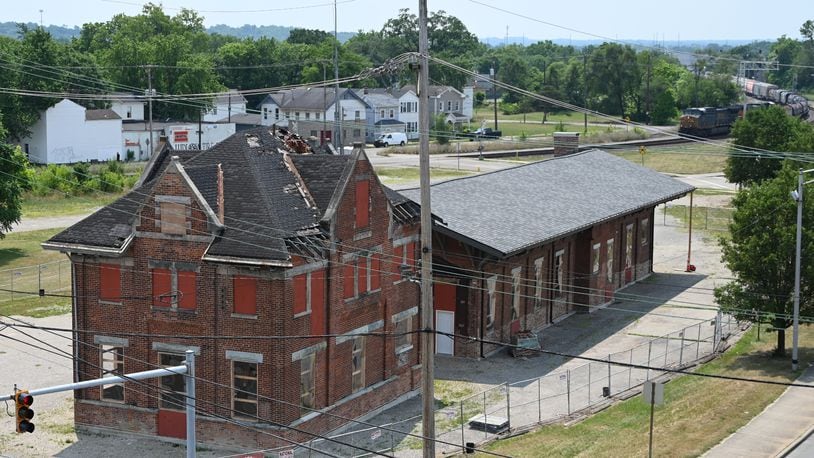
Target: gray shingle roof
[[516, 208], [262, 203], [308, 98], [99, 115]]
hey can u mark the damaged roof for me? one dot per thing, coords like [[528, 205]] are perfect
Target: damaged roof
[[513, 209], [272, 199]]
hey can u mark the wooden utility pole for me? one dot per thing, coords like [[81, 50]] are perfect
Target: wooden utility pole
[[337, 108], [150, 103], [427, 335]]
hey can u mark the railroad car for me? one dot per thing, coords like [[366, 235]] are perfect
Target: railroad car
[[794, 103], [708, 121]]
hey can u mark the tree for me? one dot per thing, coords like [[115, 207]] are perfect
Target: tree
[[440, 129], [767, 128], [308, 36], [760, 253], [16, 180], [613, 72]]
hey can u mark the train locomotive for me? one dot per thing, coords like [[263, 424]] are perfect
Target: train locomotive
[[709, 121]]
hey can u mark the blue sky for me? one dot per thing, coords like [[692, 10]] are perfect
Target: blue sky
[[633, 19]]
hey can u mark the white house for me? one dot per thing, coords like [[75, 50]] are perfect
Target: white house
[[129, 107], [225, 105], [68, 132], [185, 136], [312, 112], [408, 111], [382, 113]]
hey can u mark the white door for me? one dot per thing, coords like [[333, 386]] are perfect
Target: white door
[[444, 322]]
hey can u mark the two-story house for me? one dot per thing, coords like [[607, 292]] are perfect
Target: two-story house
[[129, 107], [455, 106], [310, 112], [225, 105], [382, 114], [280, 268]]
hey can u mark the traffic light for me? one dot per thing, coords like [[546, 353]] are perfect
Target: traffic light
[[23, 411]]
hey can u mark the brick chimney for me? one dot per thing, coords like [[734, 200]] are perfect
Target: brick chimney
[[565, 143], [220, 195]]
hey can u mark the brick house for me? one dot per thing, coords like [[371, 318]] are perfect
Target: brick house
[[257, 236], [521, 248]]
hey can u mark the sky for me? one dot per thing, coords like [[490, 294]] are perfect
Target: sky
[[656, 20]]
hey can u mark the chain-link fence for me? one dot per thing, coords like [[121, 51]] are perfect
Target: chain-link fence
[[23, 283], [707, 218], [525, 404]]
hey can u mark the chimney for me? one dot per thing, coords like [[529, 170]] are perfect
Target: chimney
[[220, 195], [565, 143]]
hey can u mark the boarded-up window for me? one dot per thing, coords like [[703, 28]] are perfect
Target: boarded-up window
[[307, 383], [644, 228], [187, 290], [559, 273], [403, 337], [173, 218], [163, 295], [112, 364], [396, 261], [516, 272], [300, 294], [110, 283], [362, 204], [358, 364], [244, 384], [491, 284], [362, 270], [629, 246], [538, 282], [596, 264], [349, 280], [409, 254], [609, 260], [318, 302], [245, 295]]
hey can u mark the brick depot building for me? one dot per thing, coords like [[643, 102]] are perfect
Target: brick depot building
[[258, 236], [521, 248]]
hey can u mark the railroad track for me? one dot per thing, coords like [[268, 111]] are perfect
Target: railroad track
[[549, 150]]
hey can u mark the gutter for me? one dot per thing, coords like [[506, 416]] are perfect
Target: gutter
[[86, 249], [246, 261]]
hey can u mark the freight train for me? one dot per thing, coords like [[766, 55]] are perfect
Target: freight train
[[794, 103], [709, 121]]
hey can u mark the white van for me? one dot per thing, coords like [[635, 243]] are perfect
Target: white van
[[392, 138]]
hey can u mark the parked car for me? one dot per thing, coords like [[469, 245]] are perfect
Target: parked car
[[393, 138], [484, 132]]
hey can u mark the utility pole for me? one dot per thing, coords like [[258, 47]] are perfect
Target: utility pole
[[492, 73], [427, 335], [337, 108], [647, 92], [585, 88], [150, 104]]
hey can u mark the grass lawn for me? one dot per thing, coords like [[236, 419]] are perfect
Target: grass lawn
[[59, 205], [680, 159], [487, 113], [697, 412], [400, 175], [20, 253]]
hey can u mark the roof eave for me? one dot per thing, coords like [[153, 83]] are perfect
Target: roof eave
[[247, 261], [88, 249]]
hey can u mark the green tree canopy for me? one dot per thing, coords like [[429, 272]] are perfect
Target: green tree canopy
[[15, 181], [761, 252]]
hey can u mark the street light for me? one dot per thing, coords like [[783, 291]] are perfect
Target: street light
[[797, 195]]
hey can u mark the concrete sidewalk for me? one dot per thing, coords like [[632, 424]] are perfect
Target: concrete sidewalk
[[780, 424]]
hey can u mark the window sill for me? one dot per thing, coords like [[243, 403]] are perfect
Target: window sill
[[362, 234], [104, 302], [404, 349], [244, 316], [302, 314]]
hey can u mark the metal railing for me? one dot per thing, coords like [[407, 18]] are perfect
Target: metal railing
[[53, 277]]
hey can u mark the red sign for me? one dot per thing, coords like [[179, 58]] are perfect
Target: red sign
[[181, 136]]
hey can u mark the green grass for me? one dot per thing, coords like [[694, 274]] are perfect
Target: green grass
[[679, 159], [710, 219], [58, 205], [401, 175], [20, 254], [487, 113], [697, 413]]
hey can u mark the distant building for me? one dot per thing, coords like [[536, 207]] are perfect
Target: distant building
[[225, 105], [129, 107], [68, 132]]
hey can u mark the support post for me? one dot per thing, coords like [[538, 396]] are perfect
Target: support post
[[689, 239], [485, 432], [698, 343], [652, 411], [539, 400], [463, 437], [190, 402], [681, 351], [568, 388], [509, 406], [589, 384], [427, 336], [630, 370], [609, 374], [796, 318], [649, 352]]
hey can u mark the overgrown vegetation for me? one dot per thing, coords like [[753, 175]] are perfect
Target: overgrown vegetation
[[78, 179]]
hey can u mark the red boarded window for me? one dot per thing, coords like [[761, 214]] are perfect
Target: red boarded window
[[318, 302], [375, 271], [300, 294], [362, 269], [362, 204], [162, 288], [410, 258], [348, 278], [186, 286], [244, 292], [110, 283]]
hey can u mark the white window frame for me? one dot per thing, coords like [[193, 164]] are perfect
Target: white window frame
[[596, 262], [538, 281], [357, 379], [182, 393], [117, 361], [235, 400], [491, 284], [609, 260], [559, 274], [308, 366], [645, 230], [403, 341], [516, 275]]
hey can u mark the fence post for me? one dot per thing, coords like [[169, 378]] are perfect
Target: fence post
[[568, 387], [666, 348], [539, 400], [508, 405], [681, 351], [39, 277], [589, 384], [463, 439], [706, 218], [630, 371], [12, 286], [485, 432], [609, 374], [664, 213], [698, 343], [649, 351]]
